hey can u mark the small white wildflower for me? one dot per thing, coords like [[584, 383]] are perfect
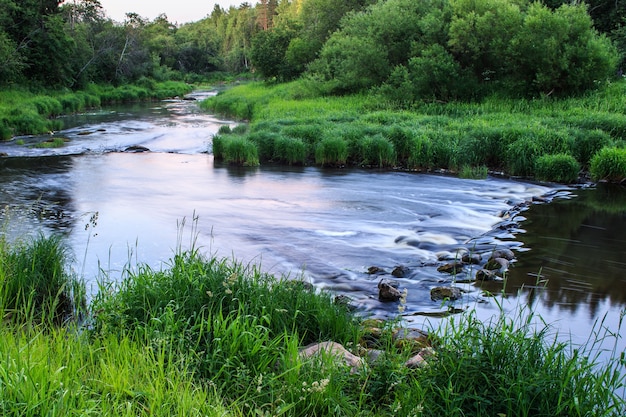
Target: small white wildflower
[[210, 294], [228, 291]]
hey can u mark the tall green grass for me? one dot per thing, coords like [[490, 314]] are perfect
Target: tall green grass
[[205, 337], [35, 283], [609, 164], [514, 365], [25, 112], [503, 135]]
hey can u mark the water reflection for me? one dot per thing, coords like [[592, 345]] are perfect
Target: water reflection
[[578, 247]]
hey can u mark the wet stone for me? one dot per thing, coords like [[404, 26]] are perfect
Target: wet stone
[[445, 293], [451, 268], [388, 290], [400, 271]]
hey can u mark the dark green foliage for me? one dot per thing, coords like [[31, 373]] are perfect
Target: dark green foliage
[[609, 164], [560, 168], [268, 54], [460, 49]]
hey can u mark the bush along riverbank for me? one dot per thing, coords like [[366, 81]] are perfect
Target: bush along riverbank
[[212, 337], [23, 112], [559, 140]]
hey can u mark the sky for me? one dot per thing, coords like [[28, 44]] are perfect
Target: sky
[[177, 11]]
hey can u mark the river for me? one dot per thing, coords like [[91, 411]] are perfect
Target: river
[[119, 209]]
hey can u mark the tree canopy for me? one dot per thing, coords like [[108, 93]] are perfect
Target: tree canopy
[[405, 49]]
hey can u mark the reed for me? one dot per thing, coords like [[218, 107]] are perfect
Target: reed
[[331, 151], [514, 366], [609, 164], [239, 150], [376, 151], [35, 285], [290, 151], [562, 168], [502, 134]]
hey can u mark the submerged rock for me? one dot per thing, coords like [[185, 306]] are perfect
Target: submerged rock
[[136, 148]]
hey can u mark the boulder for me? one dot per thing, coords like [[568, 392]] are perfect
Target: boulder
[[335, 350], [451, 268], [388, 290], [374, 270], [420, 360], [486, 275], [497, 264], [400, 271], [445, 293], [471, 258], [414, 339], [503, 253]]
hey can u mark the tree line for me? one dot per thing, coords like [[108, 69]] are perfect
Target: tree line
[[404, 49]]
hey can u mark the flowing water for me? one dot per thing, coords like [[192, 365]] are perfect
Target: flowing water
[[118, 209]]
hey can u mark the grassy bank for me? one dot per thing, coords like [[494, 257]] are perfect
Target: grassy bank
[[549, 139], [209, 337], [25, 112]]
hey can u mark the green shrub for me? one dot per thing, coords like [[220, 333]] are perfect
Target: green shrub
[[238, 150], [5, 132], [290, 151], [561, 168], [609, 164], [445, 148], [331, 151], [308, 132]]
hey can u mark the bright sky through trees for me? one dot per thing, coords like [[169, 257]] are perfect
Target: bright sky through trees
[[178, 11]]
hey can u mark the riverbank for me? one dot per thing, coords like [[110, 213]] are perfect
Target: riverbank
[[565, 141], [24, 112], [208, 336]]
